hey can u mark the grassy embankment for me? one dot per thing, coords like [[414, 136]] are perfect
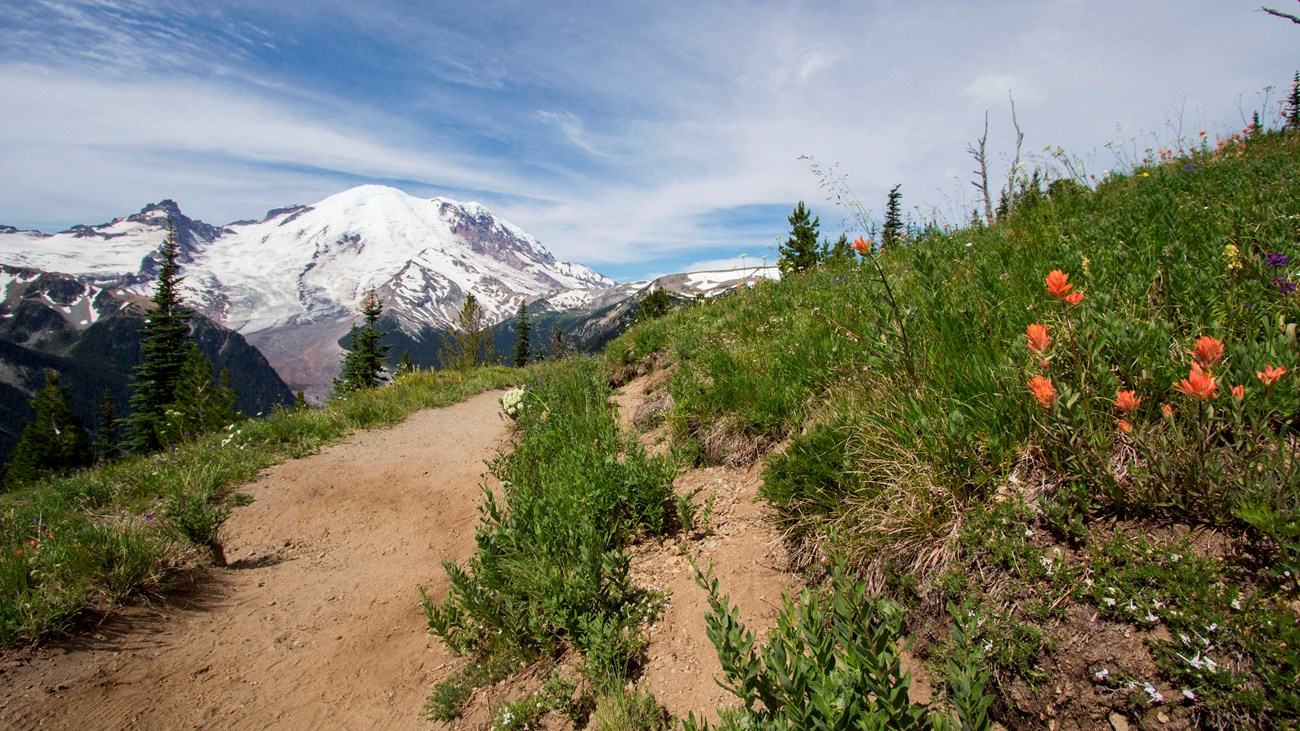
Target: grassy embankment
[[918, 452], [84, 543]]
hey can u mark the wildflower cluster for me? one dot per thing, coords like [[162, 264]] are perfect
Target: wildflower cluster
[[1038, 340], [512, 402]]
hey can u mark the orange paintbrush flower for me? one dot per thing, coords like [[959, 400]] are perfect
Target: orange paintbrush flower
[[1043, 390], [1238, 392], [1127, 401], [1198, 384], [1207, 352], [1124, 426], [862, 246], [1058, 284], [1074, 298], [1270, 374], [1039, 341], [1166, 409]]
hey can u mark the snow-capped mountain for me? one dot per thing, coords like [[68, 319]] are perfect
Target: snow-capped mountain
[[291, 282]]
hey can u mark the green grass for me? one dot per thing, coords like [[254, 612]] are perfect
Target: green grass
[[907, 466], [90, 540], [551, 573]]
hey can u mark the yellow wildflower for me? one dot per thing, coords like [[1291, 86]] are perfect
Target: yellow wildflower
[[1230, 254]]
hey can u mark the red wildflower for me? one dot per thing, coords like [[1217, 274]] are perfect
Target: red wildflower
[[1269, 375], [1238, 392], [1166, 409], [1043, 390], [1074, 298], [1198, 384], [1058, 284], [862, 246], [1124, 426], [1039, 341], [1127, 401], [1207, 352]]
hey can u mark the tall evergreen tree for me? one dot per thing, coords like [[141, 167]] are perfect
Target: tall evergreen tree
[[53, 442], [364, 361], [163, 353], [522, 351], [800, 252], [891, 232], [107, 448]]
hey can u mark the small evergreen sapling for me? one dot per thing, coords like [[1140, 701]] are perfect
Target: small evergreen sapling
[[53, 442], [364, 361], [201, 403], [892, 232], [655, 304], [470, 341], [107, 448], [800, 252], [559, 348]]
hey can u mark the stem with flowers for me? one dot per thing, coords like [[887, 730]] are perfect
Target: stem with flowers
[[843, 195]]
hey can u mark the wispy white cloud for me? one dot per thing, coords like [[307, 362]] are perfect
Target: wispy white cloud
[[613, 147]]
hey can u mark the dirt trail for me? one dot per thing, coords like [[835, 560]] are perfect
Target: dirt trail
[[316, 624]]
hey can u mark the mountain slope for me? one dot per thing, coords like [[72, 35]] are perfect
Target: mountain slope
[[291, 282], [91, 336]]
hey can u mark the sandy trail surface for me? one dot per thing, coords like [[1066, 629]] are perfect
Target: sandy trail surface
[[315, 624]]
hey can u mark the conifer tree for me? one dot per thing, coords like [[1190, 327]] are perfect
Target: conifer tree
[[559, 348], [300, 401], [364, 361], [840, 251], [799, 253], [53, 442], [891, 232], [163, 353], [469, 342], [107, 448], [201, 404], [521, 354], [405, 366], [655, 304]]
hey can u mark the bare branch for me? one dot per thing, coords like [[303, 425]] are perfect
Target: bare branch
[[982, 185], [1015, 163]]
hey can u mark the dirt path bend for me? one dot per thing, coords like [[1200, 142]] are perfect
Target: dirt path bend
[[316, 624]]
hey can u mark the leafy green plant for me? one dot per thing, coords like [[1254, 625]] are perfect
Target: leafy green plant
[[550, 570], [967, 674], [829, 663]]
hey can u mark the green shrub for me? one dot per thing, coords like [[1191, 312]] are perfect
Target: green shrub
[[829, 663], [550, 569]]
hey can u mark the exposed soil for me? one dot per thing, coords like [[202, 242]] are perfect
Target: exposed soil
[[315, 624]]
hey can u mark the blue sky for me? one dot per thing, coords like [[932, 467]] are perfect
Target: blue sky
[[635, 137]]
